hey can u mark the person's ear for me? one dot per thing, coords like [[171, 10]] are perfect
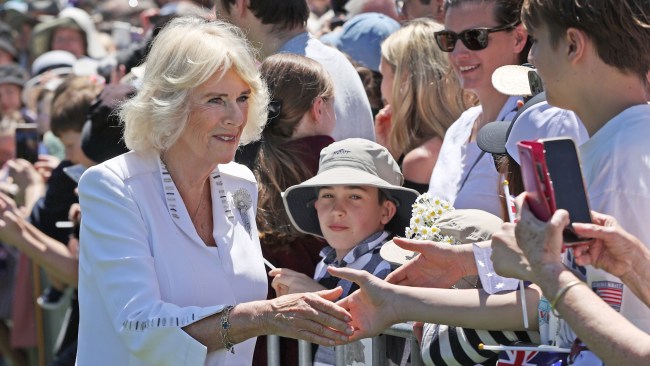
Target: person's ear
[[521, 38], [388, 210], [318, 109], [239, 8], [576, 44]]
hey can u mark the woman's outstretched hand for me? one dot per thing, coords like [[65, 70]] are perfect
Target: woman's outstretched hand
[[310, 316]]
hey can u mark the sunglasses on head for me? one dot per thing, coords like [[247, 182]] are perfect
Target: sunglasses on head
[[474, 39]]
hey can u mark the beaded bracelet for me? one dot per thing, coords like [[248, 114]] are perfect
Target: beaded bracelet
[[225, 327], [560, 294]]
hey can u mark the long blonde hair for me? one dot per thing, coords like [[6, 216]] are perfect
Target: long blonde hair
[[426, 97]]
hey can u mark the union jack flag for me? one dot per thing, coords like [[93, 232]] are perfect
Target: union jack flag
[[529, 358]]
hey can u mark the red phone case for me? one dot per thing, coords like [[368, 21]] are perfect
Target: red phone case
[[537, 181]]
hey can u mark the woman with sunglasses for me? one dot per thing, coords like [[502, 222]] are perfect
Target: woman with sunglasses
[[479, 37], [423, 99]]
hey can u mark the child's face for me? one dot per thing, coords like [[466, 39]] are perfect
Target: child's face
[[10, 98], [349, 214]]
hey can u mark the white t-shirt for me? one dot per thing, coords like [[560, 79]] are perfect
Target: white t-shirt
[[144, 272], [544, 121], [457, 155], [482, 188], [616, 168], [353, 114]]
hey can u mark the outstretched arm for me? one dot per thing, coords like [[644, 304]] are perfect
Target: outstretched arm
[[616, 341], [379, 304], [53, 255], [437, 265]]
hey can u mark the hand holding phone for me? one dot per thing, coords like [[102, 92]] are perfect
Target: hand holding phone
[[553, 179], [537, 182]]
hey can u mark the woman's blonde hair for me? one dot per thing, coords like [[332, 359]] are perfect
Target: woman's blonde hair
[[426, 97], [184, 55]]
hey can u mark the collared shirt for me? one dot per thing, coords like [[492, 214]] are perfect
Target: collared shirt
[[365, 256]]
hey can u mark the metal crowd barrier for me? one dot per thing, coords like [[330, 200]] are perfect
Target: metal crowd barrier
[[402, 330]]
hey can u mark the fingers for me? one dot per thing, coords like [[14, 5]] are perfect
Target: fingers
[[352, 275], [313, 317], [398, 276], [582, 255], [593, 231], [602, 219], [412, 244]]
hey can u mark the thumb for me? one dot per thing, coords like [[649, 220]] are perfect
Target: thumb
[[352, 275], [331, 295], [558, 222], [411, 244]]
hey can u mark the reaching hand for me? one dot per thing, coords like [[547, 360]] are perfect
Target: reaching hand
[[45, 165], [383, 125], [614, 249], [541, 242], [507, 257], [310, 316], [438, 265], [23, 173], [287, 281], [371, 306], [11, 228]]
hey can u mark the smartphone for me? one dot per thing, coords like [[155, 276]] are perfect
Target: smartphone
[[537, 181], [27, 139], [74, 171], [569, 190]]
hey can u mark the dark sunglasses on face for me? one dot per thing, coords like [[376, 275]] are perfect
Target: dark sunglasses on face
[[474, 39]]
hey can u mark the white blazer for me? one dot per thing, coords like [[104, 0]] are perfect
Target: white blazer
[[144, 273]]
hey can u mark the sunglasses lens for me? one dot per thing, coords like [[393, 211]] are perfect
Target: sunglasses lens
[[475, 39], [446, 40]]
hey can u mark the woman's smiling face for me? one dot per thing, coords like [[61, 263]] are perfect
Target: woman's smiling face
[[219, 111], [475, 68]]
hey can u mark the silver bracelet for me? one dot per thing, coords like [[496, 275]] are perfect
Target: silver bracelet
[[225, 328]]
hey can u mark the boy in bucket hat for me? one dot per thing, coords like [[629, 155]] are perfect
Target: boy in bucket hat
[[356, 202]]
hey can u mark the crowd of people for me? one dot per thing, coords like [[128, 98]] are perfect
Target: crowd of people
[[191, 176]]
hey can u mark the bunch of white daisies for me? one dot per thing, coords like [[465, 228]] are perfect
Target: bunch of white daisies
[[426, 212]]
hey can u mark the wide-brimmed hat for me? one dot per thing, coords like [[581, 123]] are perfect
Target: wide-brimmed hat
[[72, 18], [351, 162], [463, 226]]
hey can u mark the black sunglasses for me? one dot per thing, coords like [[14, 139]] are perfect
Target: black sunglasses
[[474, 39]]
